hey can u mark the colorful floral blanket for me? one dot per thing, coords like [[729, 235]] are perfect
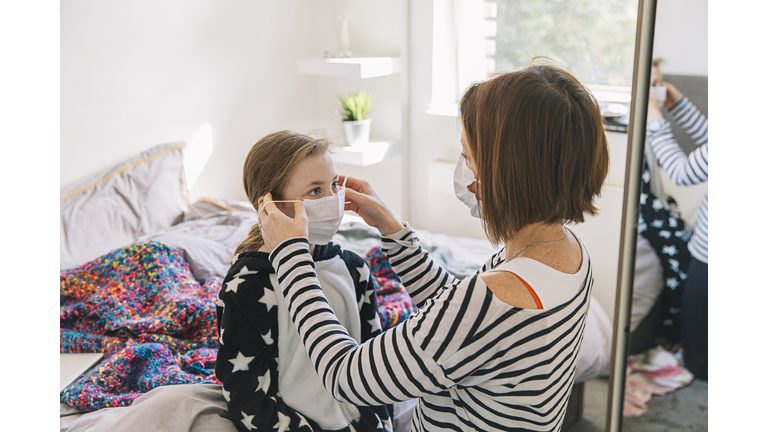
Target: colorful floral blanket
[[156, 324], [142, 307]]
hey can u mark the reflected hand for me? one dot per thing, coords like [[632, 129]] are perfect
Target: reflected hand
[[276, 227], [368, 205], [673, 95], [654, 113]]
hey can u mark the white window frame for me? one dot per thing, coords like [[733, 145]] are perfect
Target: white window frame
[[458, 56]]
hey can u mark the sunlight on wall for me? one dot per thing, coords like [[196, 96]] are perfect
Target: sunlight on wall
[[196, 154]]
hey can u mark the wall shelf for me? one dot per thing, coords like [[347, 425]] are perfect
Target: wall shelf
[[361, 154], [353, 67]]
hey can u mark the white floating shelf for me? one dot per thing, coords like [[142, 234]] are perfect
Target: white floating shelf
[[354, 67], [361, 154]]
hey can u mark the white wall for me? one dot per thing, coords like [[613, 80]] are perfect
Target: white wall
[[681, 37], [139, 73]]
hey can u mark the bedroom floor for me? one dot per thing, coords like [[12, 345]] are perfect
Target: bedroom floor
[[683, 410]]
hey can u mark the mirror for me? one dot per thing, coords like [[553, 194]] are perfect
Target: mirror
[[654, 317]]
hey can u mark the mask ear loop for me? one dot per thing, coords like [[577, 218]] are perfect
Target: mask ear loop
[[258, 213]]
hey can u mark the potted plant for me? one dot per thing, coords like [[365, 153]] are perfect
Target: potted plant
[[354, 116]]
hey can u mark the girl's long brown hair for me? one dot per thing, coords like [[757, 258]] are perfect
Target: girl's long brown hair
[[269, 165]]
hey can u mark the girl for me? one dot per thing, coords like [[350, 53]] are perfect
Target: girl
[[268, 380], [497, 350]]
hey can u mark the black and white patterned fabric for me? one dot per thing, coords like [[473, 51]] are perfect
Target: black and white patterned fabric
[[474, 362], [668, 235], [249, 360]]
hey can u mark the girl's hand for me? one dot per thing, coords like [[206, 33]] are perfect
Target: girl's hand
[[367, 204], [276, 227]]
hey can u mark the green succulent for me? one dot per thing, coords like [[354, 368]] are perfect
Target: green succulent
[[355, 106]]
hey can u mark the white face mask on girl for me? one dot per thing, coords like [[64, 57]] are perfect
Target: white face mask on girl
[[660, 93], [463, 177], [324, 215]]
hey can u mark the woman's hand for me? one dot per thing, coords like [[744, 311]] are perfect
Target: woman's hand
[[367, 204], [673, 95], [276, 227], [654, 113]]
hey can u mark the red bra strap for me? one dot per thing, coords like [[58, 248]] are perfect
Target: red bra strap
[[530, 290]]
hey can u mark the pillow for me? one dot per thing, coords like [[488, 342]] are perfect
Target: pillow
[[114, 208]]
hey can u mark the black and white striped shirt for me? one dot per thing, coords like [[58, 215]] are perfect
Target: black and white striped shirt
[[688, 169], [475, 362]]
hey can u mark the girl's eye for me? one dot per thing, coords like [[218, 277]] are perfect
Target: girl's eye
[[315, 191], [335, 185]]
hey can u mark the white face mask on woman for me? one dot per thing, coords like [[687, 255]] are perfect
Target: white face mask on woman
[[324, 215], [660, 93], [463, 177]]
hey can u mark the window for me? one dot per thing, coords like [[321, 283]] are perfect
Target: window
[[472, 39]]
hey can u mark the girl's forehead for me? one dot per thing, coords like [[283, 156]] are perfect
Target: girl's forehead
[[312, 170]]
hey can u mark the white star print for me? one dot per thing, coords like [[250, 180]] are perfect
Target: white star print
[[657, 223], [388, 424], [374, 322], [672, 283], [364, 272], [664, 233], [264, 381], [220, 302], [674, 263], [657, 205], [683, 276], [641, 227], [225, 393], [282, 423], [221, 337], [268, 338], [244, 271], [673, 222], [232, 285], [643, 197], [247, 420], [669, 250], [241, 362], [234, 259], [646, 178], [667, 322], [269, 299], [302, 421]]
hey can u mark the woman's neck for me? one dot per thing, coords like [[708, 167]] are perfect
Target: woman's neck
[[533, 233]]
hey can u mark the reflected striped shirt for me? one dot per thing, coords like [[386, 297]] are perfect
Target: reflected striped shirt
[[473, 362], [688, 169]]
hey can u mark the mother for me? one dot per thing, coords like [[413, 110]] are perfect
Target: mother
[[497, 350]]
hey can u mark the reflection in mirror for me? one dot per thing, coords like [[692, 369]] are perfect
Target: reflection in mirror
[[666, 382]]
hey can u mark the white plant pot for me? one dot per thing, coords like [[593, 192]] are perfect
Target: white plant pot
[[357, 132]]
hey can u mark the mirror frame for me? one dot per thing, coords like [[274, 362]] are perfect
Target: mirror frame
[[641, 77]]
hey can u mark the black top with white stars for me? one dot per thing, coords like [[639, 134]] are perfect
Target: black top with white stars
[[247, 362]]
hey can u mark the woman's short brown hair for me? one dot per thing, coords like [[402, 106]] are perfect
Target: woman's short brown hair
[[537, 139], [269, 166]]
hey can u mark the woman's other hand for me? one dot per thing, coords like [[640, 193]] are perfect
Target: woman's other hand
[[276, 227], [368, 205], [654, 113]]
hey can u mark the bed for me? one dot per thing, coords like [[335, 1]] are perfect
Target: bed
[[157, 325]]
